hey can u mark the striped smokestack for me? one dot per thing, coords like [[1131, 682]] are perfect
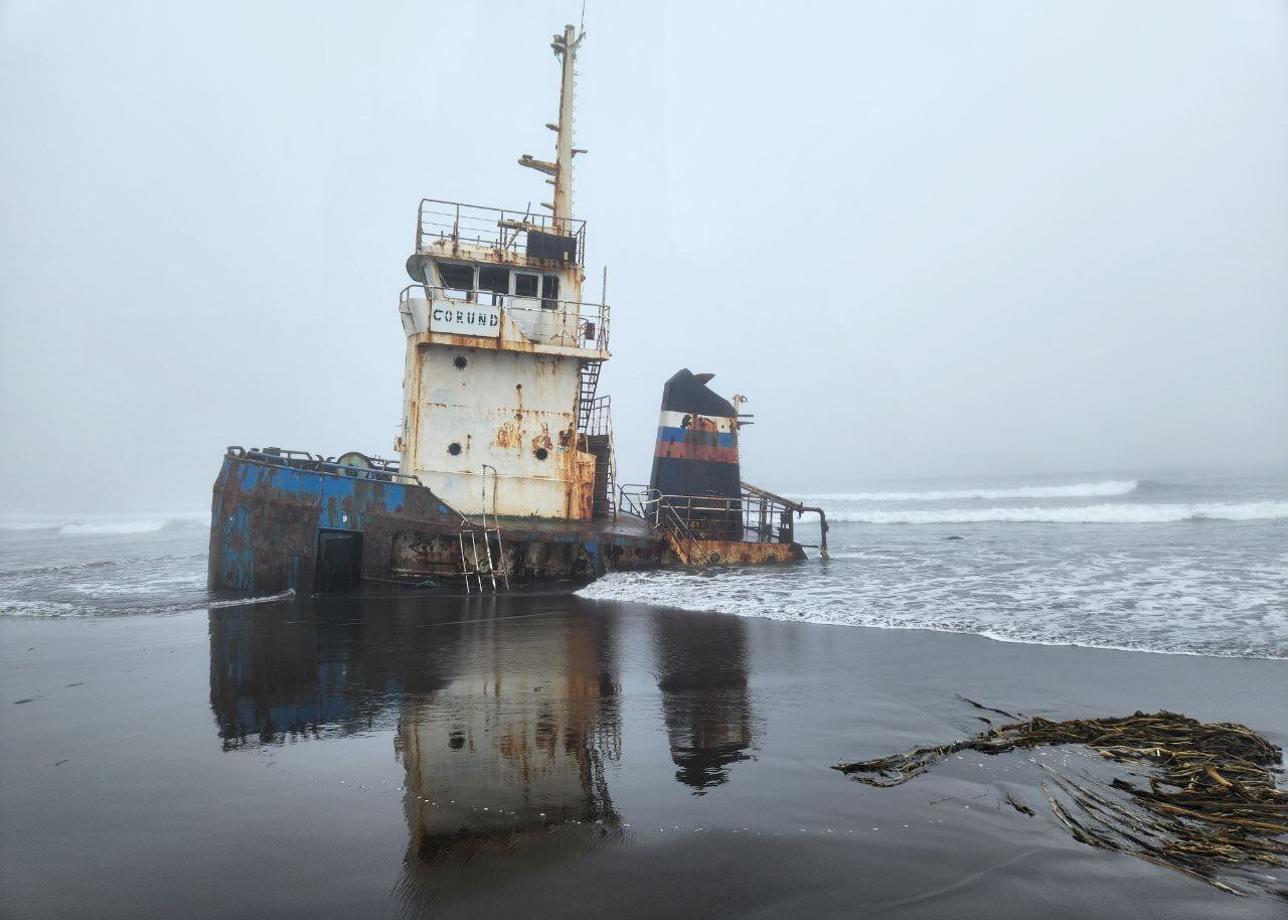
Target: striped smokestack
[[697, 440]]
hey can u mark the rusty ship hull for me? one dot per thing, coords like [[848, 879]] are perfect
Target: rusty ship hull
[[300, 523]]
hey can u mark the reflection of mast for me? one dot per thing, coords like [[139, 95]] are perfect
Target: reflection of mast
[[514, 748], [702, 667], [565, 46]]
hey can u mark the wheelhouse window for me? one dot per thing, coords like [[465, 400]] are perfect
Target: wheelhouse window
[[496, 281], [526, 285], [550, 292], [462, 280], [457, 279]]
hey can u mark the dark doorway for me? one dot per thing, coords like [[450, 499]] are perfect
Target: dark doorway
[[339, 566]]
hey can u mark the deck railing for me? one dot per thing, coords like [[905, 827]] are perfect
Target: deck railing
[[378, 469], [500, 230], [755, 516], [571, 323]]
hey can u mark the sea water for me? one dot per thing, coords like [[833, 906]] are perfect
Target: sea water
[[1195, 565], [1182, 565]]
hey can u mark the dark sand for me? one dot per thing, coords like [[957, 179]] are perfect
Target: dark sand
[[549, 756]]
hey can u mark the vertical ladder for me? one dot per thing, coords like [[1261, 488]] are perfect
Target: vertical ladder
[[476, 564], [480, 562]]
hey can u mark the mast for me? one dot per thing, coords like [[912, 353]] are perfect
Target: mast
[[565, 47]]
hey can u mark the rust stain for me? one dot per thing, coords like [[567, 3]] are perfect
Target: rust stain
[[510, 434], [543, 439], [732, 552], [580, 471]]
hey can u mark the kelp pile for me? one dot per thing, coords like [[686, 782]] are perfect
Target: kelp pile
[[1211, 806]]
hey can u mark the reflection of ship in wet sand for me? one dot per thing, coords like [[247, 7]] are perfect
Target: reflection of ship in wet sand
[[314, 675], [507, 726], [702, 673], [503, 727], [516, 745]]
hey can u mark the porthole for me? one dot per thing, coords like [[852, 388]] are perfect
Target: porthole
[[459, 362], [454, 448], [541, 453]]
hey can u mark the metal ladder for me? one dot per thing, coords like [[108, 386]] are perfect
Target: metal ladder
[[586, 396], [594, 424], [476, 564]]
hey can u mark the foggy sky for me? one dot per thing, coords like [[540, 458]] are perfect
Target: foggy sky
[[926, 239]]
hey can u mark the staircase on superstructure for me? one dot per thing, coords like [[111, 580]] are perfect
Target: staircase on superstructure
[[595, 431]]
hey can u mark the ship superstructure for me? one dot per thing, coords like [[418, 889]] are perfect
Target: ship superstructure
[[503, 357]]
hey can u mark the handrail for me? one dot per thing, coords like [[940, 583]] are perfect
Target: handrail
[[385, 471], [480, 295], [798, 508], [498, 229], [637, 499], [680, 527], [755, 515], [592, 319]]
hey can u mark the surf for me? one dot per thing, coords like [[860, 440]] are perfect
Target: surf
[[1105, 489], [1122, 513], [105, 526]]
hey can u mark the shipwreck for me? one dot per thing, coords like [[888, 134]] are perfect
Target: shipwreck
[[506, 470]]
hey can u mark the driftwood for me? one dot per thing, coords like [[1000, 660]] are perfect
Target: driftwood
[[1210, 809]]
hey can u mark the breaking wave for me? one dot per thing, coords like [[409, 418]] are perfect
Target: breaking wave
[[1126, 513], [116, 528], [1201, 597], [1108, 488], [75, 568], [109, 527]]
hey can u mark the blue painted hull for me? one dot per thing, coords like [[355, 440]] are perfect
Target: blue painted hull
[[270, 518]]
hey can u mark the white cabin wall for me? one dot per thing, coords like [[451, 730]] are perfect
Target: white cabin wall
[[502, 407]]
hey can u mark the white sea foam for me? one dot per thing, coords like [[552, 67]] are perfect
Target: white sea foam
[[113, 528], [1211, 602], [105, 525], [15, 607], [1105, 489], [23, 607], [244, 601], [1125, 513]]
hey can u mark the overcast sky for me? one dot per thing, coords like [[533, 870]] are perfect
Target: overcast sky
[[930, 239]]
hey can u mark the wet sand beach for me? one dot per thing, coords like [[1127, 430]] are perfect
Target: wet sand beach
[[542, 756]]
